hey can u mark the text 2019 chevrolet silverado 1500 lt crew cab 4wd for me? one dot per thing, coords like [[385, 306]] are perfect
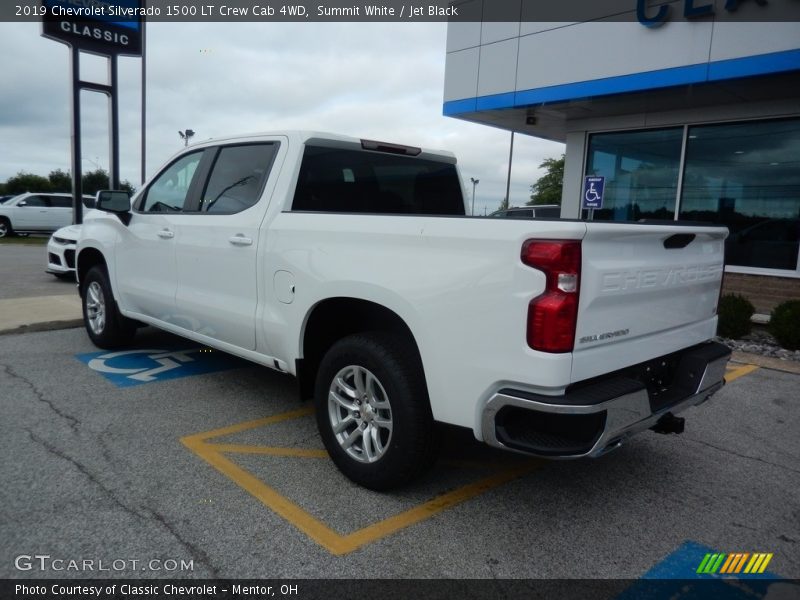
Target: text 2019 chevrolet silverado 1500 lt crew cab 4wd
[[351, 265]]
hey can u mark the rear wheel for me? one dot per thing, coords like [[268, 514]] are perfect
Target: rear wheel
[[105, 325], [373, 411], [5, 228]]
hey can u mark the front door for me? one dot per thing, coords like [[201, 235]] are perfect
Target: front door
[[145, 261]]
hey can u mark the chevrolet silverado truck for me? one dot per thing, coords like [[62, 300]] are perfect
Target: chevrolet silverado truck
[[351, 264]]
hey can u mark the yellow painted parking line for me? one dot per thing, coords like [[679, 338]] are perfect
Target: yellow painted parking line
[[271, 451], [239, 427], [433, 507], [333, 541], [733, 372]]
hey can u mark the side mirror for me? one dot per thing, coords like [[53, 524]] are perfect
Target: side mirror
[[114, 201], [22, 203]]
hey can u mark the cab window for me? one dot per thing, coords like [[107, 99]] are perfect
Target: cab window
[[237, 178], [168, 193]]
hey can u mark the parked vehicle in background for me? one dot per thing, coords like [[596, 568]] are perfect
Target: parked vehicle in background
[[4, 198], [61, 252], [542, 211], [351, 265], [37, 212]]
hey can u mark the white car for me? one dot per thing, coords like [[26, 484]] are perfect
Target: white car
[[61, 252], [37, 212]]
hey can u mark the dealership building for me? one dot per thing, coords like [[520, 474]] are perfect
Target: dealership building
[[687, 112]]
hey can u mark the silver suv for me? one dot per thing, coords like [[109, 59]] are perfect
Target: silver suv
[[34, 212]]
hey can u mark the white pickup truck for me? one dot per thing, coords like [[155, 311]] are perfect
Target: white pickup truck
[[352, 265]]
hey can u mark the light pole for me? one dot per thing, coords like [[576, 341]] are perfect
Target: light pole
[[186, 136], [95, 162], [508, 181], [475, 182]]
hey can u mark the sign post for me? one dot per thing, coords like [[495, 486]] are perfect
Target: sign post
[[593, 188], [94, 29]]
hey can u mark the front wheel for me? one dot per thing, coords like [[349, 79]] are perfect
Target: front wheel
[[105, 325], [5, 228], [373, 411]]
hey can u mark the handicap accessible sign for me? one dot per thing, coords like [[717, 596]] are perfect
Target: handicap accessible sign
[[126, 368], [593, 192]]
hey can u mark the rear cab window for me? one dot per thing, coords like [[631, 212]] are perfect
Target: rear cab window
[[362, 181]]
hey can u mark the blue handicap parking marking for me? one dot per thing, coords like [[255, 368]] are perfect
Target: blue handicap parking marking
[[684, 561], [676, 578], [127, 368]]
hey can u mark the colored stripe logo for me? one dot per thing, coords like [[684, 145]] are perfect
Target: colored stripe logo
[[736, 563]]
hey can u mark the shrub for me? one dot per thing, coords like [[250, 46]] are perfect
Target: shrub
[[784, 324], [734, 316]]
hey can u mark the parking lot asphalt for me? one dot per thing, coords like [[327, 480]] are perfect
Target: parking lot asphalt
[[109, 460], [30, 298], [22, 273]]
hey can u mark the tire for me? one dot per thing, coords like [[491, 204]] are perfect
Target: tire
[[386, 437], [5, 228], [106, 326]]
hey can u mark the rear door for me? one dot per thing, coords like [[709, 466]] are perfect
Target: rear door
[[217, 245], [60, 213], [645, 291]]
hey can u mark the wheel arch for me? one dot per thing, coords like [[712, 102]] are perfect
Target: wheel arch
[[7, 220], [335, 318], [85, 260]]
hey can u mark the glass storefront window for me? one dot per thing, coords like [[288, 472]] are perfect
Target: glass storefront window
[[747, 176], [641, 170]]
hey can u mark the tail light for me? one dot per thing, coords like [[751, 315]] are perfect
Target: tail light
[[553, 315]]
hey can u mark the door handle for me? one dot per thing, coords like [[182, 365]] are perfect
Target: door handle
[[165, 234], [240, 240]]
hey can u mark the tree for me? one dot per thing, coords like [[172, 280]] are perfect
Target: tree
[[60, 181], [547, 189], [503, 204], [94, 181], [27, 182]]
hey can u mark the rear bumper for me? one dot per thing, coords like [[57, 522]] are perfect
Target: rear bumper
[[598, 415]]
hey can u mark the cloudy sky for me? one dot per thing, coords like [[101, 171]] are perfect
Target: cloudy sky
[[375, 80]]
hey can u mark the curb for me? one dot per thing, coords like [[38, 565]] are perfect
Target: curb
[[767, 362], [43, 326]]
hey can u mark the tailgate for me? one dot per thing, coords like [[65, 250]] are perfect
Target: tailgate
[[645, 291]]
